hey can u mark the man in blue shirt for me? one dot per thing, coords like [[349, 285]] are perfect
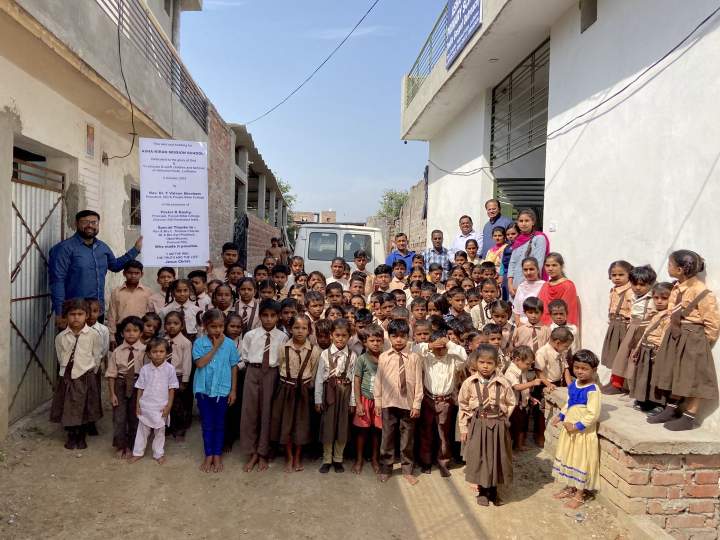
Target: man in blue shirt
[[495, 219], [401, 251], [438, 254], [79, 264]]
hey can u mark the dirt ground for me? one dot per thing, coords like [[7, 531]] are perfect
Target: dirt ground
[[49, 492]]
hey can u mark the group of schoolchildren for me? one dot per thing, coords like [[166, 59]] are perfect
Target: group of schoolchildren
[[441, 363]]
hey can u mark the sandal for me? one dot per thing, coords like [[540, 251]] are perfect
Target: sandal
[[566, 493]]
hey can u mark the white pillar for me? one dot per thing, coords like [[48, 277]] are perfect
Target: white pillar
[[262, 188], [272, 206]]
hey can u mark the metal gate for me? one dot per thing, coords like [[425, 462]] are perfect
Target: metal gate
[[37, 195]]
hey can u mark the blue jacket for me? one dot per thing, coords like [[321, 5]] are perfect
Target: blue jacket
[[78, 270]]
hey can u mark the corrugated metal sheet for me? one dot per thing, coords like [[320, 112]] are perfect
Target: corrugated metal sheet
[[37, 213]]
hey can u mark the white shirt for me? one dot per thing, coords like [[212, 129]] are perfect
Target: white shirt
[[189, 309], [344, 282], [251, 313], [88, 351], [155, 382], [515, 375], [203, 301], [253, 346], [459, 242], [439, 371], [104, 332], [345, 362]]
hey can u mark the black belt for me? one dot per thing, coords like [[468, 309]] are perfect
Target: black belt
[[436, 398], [259, 365]]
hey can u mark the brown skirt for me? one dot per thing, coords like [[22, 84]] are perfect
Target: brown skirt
[[613, 338], [336, 417], [488, 452], [684, 365], [76, 401], [641, 387], [291, 414], [622, 365]]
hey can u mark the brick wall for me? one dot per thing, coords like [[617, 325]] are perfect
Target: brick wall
[[259, 234], [677, 492], [221, 185]]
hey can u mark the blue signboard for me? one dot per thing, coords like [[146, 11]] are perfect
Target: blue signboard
[[464, 17]]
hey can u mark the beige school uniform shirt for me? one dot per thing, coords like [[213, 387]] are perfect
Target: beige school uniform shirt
[[524, 336], [125, 302], [616, 297], [654, 334], [469, 401], [439, 371], [550, 363], [296, 357], [88, 352], [156, 302], [516, 376], [118, 361], [479, 317], [387, 390], [706, 312], [181, 356]]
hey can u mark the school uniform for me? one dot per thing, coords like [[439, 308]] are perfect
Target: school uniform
[[396, 283], [260, 354], [181, 359], [684, 364], [335, 371], [645, 354], [189, 312], [342, 281], [438, 407], [104, 332], [156, 302], [641, 311], [618, 318], [212, 386], [219, 273], [508, 334], [398, 390], [485, 407], [232, 415], [124, 302], [203, 301], [576, 346], [294, 397], [76, 400], [531, 335], [156, 383], [551, 364], [123, 368], [519, 418], [480, 316], [249, 314]]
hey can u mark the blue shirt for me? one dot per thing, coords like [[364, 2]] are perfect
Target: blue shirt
[[214, 379], [441, 257], [77, 270], [396, 255], [488, 242]]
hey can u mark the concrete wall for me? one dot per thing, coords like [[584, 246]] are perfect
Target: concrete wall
[[644, 171], [461, 146], [221, 185], [90, 33], [258, 240]]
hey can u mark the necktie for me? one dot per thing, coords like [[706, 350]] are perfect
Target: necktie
[[245, 316], [182, 312], [403, 381], [558, 361], [130, 373], [534, 339], [266, 353]]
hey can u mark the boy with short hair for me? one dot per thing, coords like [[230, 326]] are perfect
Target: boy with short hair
[[532, 333], [398, 393], [418, 309], [297, 267], [288, 310], [427, 290], [558, 313], [130, 298], [315, 305], [280, 277], [270, 263], [435, 273], [418, 262], [399, 269], [400, 297], [259, 353], [383, 275], [421, 332], [361, 258], [158, 300], [551, 358], [260, 273], [337, 274], [367, 417], [495, 337], [230, 255], [442, 360], [198, 280], [334, 294], [456, 298], [460, 258]]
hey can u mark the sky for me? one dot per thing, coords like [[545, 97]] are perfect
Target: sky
[[337, 142]]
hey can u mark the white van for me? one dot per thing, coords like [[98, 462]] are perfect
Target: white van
[[320, 243]]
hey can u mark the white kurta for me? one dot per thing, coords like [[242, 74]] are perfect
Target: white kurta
[[155, 382]]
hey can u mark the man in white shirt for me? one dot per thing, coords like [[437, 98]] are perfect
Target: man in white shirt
[[466, 233]]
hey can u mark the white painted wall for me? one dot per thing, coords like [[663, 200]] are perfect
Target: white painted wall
[[48, 118], [459, 147], [642, 178]]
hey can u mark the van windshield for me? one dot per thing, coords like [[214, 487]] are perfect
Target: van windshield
[[352, 242]]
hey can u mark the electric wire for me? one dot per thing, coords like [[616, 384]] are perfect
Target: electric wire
[[556, 131], [325, 61], [127, 91]]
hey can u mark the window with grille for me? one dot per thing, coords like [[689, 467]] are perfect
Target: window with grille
[[135, 206], [519, 108]]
